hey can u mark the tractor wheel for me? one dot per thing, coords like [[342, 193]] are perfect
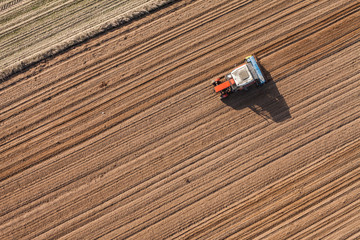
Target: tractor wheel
[[225, 95], [216, 82]]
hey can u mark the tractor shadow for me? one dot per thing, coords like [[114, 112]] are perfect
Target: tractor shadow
[[266, 101]]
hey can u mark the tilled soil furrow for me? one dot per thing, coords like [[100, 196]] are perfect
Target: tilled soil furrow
[[141, 51], [236, 174], [304, 30], [131, 143], [345, 216], [339, 94], [50, 25], [324, 99], [294, 184], [161, 37], [157, 45], [180, 206], [347, 230], [81, 54], [314, 202], [61, 23], [7, 4]]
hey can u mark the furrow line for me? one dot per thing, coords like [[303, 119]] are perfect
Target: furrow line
[[304, 30], [316, 199], [342, 216], [339, 93], [9, 4], [178, 206], [142, 50], [277, 188], [55, 22], [139, 51], [59, 61]]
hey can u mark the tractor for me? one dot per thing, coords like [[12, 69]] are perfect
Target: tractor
[[240, 78]]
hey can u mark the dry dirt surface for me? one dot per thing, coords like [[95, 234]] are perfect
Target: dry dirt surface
[[123, 137], [31, 30]]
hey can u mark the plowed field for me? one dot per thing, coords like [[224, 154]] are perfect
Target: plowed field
[[123, 137], [32, 30]]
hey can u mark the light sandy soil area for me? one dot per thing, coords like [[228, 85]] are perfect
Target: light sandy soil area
[[123, 137], [31, 30]]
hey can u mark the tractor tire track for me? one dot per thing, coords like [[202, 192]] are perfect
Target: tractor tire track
[[115, 160]]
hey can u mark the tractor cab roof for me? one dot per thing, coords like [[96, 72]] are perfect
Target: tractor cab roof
[[242, 75]]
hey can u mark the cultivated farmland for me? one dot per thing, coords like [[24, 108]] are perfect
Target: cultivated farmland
[[122, 137], [31, 30]]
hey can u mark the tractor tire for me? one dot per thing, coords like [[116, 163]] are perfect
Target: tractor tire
[[223, 96], [215, 82]]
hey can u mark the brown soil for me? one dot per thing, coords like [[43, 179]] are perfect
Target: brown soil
[[33, 30], [123, 137]]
